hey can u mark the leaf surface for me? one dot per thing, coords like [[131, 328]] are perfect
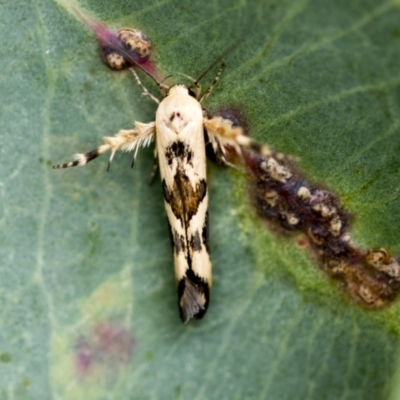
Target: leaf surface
[[87, 289]]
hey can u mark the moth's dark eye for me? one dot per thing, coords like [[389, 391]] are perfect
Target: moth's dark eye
[[191, 93]]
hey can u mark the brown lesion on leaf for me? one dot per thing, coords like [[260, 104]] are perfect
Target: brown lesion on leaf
[[281, 195], [372, 279], [136, 41], [128, 47]]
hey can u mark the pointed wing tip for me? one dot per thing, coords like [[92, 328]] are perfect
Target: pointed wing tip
[[193, 300]]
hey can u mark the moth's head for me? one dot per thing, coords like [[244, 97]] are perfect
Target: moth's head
[[180, 90]]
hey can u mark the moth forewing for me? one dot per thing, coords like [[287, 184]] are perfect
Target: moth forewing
[[182, 160]]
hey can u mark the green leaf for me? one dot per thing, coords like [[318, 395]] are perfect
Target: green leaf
[[88, 303]]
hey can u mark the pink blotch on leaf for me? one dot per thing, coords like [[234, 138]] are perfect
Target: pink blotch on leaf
[[106, 345]]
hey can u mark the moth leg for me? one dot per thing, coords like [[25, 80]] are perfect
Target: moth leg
[[155, 167], [216, 151], [140, 84], [125, 140], [227, 136]]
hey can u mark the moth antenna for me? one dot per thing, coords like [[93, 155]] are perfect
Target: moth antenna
[[241, 36], [214, 82], [162, 86], [217, 60]]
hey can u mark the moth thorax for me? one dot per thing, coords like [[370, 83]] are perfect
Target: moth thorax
[[178, 90]]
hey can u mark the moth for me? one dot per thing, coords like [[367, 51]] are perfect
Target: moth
[[181, 130]]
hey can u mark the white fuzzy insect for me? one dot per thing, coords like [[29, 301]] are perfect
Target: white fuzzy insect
[[178, 129]]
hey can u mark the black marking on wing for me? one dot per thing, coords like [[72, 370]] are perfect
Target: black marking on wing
[[179, 242], [166, 192], [175, 114], [205, 234], [178, 150], [184, 199], [195, 242]]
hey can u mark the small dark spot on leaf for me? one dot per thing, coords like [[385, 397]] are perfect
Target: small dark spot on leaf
[[93, 238], [396, 32], [46, 162], [178, 392], [26, 382], [5, 357], [302, 242]]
